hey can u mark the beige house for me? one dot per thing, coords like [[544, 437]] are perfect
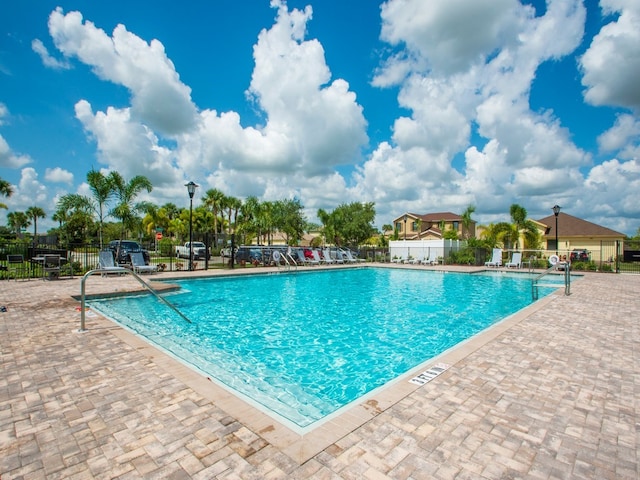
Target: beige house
[[574, 233], [431, 226]]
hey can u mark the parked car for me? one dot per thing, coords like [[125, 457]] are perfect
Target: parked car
[[199, 250], [579, 255], [122, 248], [247, 254]]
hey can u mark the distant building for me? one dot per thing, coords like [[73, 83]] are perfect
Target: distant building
[[431, 226], [577, 234]]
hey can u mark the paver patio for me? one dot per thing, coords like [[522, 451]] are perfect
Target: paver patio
[[553, 393]]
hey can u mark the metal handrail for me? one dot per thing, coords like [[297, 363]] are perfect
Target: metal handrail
[[120, 270], [567, 280]]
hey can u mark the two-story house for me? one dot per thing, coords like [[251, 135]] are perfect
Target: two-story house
[[431, 226]]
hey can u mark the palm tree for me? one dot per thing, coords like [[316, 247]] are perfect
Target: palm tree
[[102, 188], [5, 190], [466, 221], [34, 213], [521, 227], [126, 192], [213, 199], [17, 221]]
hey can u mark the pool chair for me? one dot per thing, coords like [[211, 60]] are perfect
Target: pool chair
[[516, 260], [137, 262], [398, 260], [432, 260], [16, 267], [316, 257], [107, 265], [328, 259], [350, 258], [496, 259]]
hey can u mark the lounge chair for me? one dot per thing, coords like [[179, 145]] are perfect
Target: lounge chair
[[496, 259], [51, 267], [137, 262], [350, 258], [328, 259], [516, 260], [316, 257], [106, 263], [432, 260], [398, 260]]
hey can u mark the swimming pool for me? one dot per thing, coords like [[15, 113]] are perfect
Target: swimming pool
[[303, 345]]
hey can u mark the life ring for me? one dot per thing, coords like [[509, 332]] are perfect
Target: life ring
[[276, 256], [553, 259]]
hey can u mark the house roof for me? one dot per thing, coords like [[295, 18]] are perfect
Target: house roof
[[433, 217], [570, 226]]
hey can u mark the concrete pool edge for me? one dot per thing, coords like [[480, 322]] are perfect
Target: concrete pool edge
[[302, 447]]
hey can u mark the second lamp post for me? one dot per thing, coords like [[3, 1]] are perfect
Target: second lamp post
[[191, 188]]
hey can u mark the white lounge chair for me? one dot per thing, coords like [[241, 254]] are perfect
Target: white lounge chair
[[316, 257], [106, 263], [326, 253], [138, 264], [350, 258], [496, 259], [516, 260], [432, 260]]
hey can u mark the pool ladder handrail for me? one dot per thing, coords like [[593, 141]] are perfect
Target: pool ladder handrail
[[567, 281], [125, 271]]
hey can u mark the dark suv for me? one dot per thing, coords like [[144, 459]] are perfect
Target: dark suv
[[579, 255], [127, 247]]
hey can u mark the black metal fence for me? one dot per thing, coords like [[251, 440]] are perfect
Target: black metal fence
[[609, 257]]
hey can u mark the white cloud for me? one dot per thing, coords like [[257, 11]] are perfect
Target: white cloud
[[48, 61], [127, 146], [58, 175], [159, 98], [450, 34], [469, 69], [623, 137], [611, 65]]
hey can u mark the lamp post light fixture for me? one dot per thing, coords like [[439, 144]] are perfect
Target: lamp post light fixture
[[191, 188], [405, 227], [556, 212]]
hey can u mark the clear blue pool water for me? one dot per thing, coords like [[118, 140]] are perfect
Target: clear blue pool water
[[303, 345]]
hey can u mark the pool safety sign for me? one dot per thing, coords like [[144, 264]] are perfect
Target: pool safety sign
[[430, 374]]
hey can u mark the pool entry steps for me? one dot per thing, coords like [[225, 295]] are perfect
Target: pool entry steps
[[125, 271]]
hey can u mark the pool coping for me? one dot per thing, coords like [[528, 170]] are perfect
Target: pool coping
[[303, 446]]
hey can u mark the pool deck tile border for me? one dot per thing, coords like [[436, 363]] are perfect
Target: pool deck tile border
[[529, 397]]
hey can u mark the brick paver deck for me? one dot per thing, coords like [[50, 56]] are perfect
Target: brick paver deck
[[553, 393]]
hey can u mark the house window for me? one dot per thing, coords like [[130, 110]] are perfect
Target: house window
[[398, 226], [455, 225], [414, 227]]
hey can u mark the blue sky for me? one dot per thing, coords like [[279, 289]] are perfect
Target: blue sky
[[415, 105]]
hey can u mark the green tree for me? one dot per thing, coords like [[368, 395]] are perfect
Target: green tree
[[5, 190], [467, 220], [214, 199], [74, 213], [17, 221], [289, 219], [349, 224], [126, 210], [103, 189], [34, 213]]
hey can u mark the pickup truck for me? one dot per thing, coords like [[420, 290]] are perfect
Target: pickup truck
[[200, 251]]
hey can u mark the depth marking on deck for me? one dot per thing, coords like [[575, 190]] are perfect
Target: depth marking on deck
[[430, 374]]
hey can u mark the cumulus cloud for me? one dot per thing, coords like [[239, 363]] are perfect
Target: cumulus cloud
[[611, 65], [48, 61], [623, 137], [313, 123], [468, 70], [127, 146], [58, 175], [158, 97], [8, 158]]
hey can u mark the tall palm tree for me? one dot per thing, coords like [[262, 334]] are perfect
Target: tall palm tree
[[5, 190], [126, 192], [213, 199], [466, 221], [103, 189], [34, 213], [17, 221]]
